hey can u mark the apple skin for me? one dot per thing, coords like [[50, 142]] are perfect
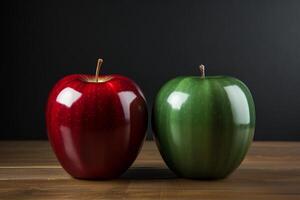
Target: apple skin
[[203, 126], [96, 129]]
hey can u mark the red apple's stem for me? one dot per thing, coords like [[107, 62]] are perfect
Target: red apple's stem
[[202, 71], [99, 63]]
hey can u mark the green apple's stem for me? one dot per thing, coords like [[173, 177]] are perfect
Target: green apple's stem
[[99, 63], [202, 71]]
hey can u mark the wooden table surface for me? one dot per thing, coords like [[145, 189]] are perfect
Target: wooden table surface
[[29, 170]]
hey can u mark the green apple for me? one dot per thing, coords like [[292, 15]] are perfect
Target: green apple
[[203, 126]]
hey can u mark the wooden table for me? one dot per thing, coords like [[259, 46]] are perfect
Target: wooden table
[[29, 170]]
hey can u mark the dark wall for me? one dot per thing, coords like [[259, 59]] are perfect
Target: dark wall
[[151, 42]]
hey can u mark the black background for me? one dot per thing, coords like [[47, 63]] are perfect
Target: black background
[[151, 42]]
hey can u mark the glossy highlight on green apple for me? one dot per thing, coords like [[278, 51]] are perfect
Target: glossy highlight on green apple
[[203, 126]]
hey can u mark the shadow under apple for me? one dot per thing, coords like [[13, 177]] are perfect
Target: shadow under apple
[[144, 173]]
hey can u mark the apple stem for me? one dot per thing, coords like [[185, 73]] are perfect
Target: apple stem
[[202, 71], [99, 63]]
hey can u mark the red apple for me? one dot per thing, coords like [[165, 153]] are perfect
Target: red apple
[[96, 124]]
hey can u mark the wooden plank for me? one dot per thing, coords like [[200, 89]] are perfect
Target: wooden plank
[[29, 170]]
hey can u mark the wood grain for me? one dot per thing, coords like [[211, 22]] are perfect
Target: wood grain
[[29, 170]]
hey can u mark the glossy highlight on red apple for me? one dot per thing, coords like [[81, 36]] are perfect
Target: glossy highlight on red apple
[[96, 124]]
